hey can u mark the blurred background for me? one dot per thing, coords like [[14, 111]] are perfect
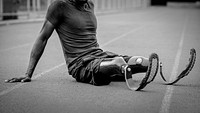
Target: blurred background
[[29, 9]]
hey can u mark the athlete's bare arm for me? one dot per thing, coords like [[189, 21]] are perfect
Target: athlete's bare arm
[[36, 53]]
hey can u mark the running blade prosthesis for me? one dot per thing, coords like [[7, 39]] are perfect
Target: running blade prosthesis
[[149, 77], [185, 72]]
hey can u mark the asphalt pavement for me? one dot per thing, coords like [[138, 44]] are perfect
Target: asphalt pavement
[[168, 31]]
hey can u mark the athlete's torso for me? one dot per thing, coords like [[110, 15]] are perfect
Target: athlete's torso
[[76, 27]]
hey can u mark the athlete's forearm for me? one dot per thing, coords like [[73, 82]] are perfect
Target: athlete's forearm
[[39, 46], [36, 53]]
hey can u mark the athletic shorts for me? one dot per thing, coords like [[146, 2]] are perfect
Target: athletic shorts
[[86, 69]]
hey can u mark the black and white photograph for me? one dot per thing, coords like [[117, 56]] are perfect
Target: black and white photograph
[[99, 56]]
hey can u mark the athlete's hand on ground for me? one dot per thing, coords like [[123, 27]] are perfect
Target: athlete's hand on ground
[[20, 79]]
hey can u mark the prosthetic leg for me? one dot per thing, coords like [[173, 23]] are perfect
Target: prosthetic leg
[[140, 64], [112, 68], [185, 72], [117, 69]]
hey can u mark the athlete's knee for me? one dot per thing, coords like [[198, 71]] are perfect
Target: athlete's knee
[[118, 61], [109, 69]]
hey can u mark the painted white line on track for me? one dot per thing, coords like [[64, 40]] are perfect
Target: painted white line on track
[[123, 35], [20, 46], [28, 44], [34, 77], [170, 88]]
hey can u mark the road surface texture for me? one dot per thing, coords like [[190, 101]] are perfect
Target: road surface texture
[[169, 31]]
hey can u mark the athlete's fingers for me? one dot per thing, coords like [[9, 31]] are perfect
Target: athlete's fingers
[[7, 80], [27, 79], [10, 80], [15, 80]]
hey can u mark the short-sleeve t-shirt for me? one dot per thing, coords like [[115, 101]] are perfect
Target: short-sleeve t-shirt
[[76, 27]]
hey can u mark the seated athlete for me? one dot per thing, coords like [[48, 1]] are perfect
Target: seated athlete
[[76, 24]]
